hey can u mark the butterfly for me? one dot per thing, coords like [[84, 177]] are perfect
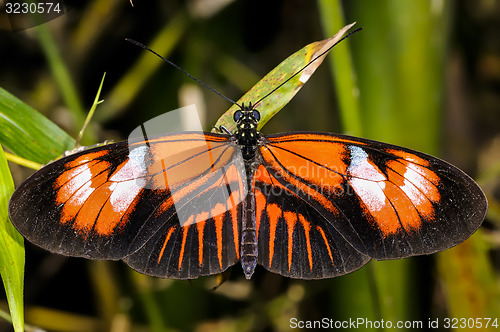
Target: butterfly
[[305, 205], [302, 204]]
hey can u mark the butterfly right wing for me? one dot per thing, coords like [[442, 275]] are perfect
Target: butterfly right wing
[[165, 203], [385, 201]]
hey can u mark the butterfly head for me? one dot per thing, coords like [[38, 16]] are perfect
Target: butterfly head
[[246, 117], [247, 135]]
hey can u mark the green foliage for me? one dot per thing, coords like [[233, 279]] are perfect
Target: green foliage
[[12, 253], [28, 133]]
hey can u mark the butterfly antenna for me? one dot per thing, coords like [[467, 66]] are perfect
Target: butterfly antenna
[[307, 65], [182, 70]]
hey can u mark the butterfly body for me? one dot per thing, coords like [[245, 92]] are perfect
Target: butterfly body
[[246, 133]]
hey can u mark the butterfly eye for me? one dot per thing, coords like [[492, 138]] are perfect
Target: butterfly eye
[[237, 115], [256, 115]]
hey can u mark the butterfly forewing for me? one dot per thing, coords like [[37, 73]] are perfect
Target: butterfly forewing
[[386, 201]]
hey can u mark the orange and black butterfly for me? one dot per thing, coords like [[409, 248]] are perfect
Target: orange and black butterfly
[[302, 204]]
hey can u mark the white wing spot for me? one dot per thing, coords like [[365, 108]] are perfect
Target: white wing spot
[[123, 194], [135, 167], [367, 180], [80, 185], [360, 167]]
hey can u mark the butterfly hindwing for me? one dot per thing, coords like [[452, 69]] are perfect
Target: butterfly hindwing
[[203, 248], [387, 202], [294, 239], [203, 237]]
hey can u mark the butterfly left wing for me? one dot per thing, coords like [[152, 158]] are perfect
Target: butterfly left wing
[[180, 191], [386, 201]]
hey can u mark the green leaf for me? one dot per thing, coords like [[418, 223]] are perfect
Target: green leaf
[[286, 69], [12, 253], [60, 72], [342, 70], [29, 134]]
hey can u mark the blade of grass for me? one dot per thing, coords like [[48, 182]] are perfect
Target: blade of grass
[[29, 134], [12, 253], [23, 162], [355, 295], [61, 74], [342, 69], [374, 59], [93, 23], [91, 112]]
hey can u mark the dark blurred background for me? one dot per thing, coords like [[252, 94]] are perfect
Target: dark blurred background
[[426, 76]]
